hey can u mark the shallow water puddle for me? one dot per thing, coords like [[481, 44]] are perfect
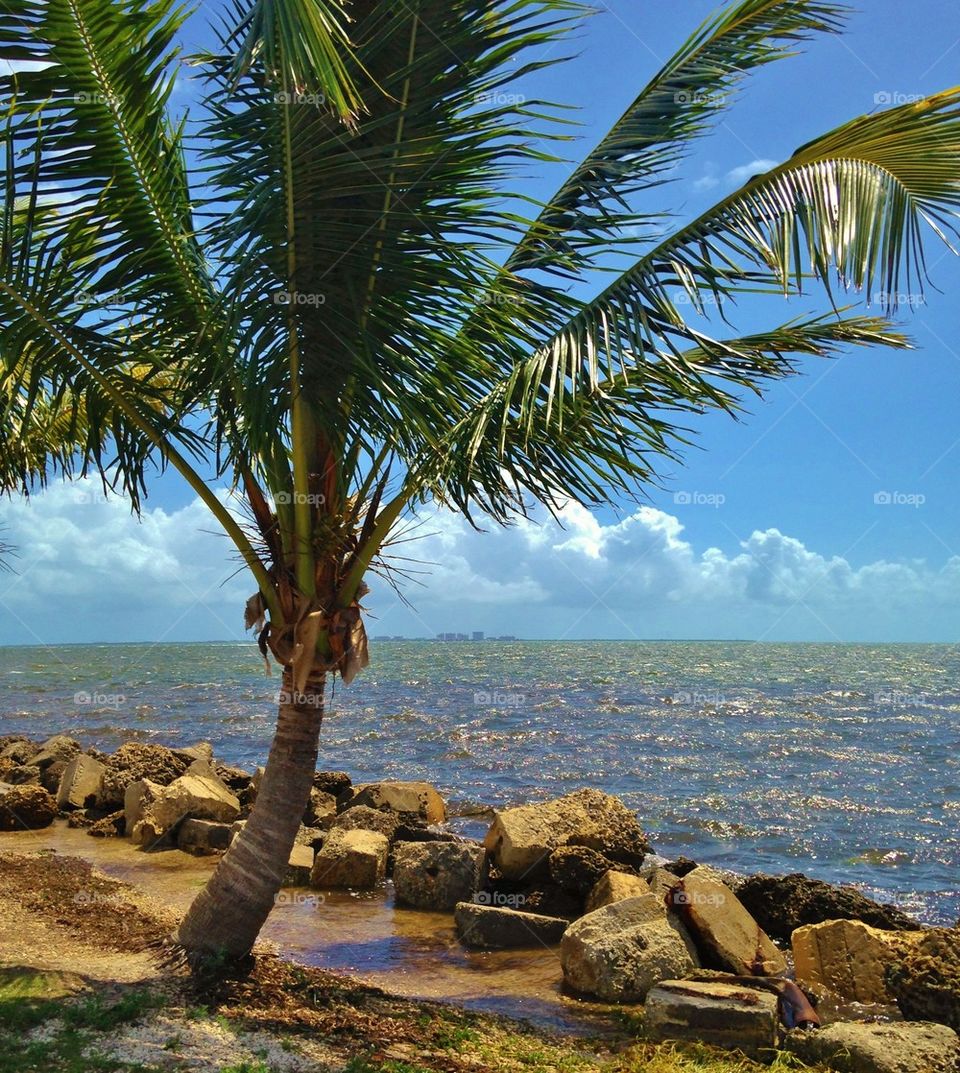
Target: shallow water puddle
[[407, 952]]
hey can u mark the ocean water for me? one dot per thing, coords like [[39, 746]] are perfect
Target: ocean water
[[841, 761]]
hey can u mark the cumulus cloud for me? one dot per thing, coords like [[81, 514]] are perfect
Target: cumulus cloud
[[87, 570], [740, 175]]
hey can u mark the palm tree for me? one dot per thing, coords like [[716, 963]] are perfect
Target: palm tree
[[331, 289]]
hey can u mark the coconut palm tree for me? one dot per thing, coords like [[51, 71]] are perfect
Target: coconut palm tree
[[333, 290]]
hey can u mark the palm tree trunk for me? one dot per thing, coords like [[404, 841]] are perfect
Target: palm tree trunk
[[227, 915]]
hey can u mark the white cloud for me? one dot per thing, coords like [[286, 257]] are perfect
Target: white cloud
[[88, 570], [740, 175]]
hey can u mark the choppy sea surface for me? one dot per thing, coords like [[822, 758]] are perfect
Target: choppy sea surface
[[841, 761]]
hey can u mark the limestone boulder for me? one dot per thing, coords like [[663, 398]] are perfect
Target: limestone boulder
[[22, 775], [417, 798], [719, 1014], [321, 809], [112, 826], [26, 808], [299, 866], [491, 927], [19, 751], [726, 935], [926, 979], [80, 782], [203, 837], [577, 869], [351, 859], [620, 951], [201, 797], [852, 1047], [781, 904], [521, 839], [437, 875], [335, 783], [850, 958], [201, 751], [365, 818], [134, 761], [613, 887], [59, 747]]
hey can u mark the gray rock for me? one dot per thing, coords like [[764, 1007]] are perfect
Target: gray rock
[[488, 927], [722, 1015], [620, 951], [852, 1047], [437, 875]]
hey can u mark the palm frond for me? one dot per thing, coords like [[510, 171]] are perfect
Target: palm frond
[[592, 208], [549, 433]]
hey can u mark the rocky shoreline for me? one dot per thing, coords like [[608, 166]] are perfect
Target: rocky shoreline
[[705, 955]]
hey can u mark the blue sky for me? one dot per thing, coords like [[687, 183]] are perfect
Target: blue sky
[[806, 464]]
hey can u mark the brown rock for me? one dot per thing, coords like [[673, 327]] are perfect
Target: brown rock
[[725, 933], [26, 808]]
